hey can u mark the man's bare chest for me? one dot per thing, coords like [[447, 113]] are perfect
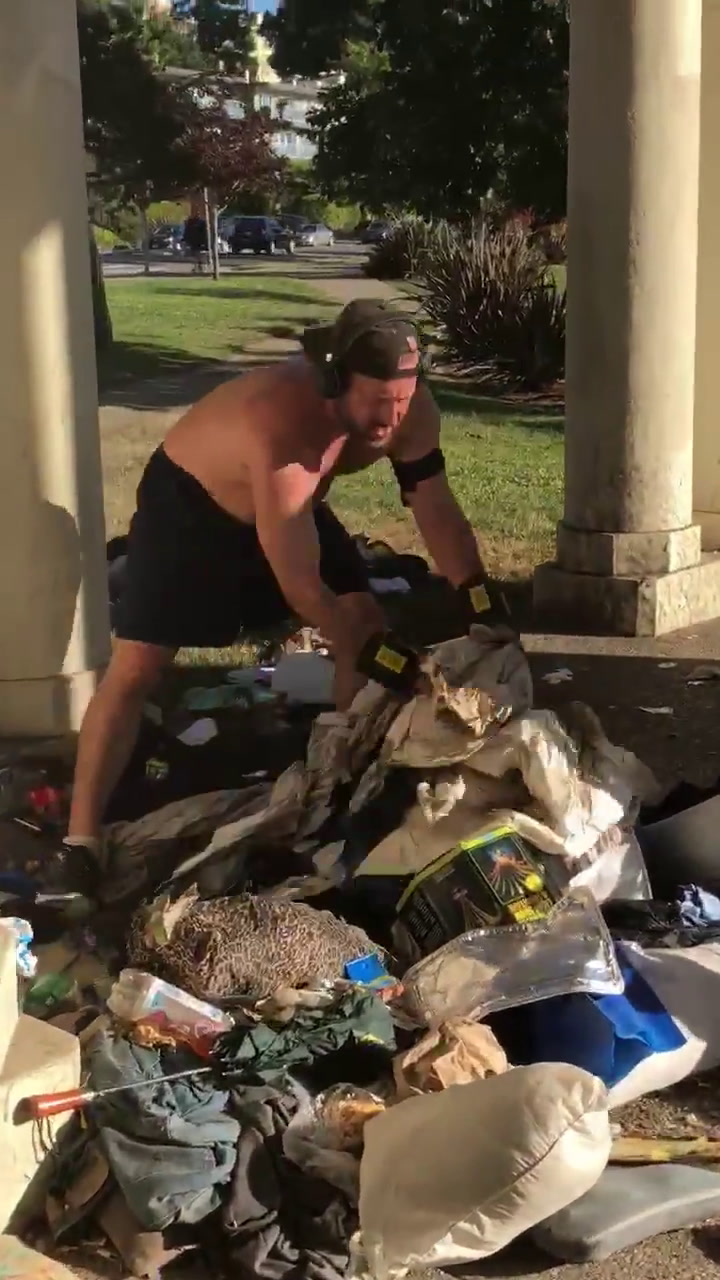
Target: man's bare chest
[[355, 456]]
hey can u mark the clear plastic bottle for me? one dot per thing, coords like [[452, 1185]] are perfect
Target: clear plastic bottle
[[138, 996]]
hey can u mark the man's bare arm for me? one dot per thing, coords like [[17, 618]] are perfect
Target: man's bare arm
[[287, 533], [442, 524]]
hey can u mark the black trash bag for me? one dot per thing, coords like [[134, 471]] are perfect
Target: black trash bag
[[683, 849]]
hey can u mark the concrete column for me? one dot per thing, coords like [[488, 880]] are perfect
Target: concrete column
[[54, 633], [628, 555], [706, 486]]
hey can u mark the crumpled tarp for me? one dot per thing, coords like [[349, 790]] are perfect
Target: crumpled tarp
[[355, 1017], [474, 683], [473, 749], [145, 852], [581, 784], [531, 776]]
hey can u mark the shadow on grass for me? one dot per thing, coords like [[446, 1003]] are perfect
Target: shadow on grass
[[134, 376], [127, 370], [330, 271], [478, 399], [252, 294]]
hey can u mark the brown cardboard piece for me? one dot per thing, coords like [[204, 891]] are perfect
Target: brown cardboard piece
[[454, 1052]]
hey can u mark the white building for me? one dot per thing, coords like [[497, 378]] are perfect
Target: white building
[[291, 102]]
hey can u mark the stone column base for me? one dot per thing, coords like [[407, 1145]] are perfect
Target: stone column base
[[45, 708], [618, 605], [627, 555]]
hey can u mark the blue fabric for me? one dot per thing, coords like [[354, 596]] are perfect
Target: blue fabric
[[605, 1035]]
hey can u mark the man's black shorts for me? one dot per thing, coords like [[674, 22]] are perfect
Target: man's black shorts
[[197, 576]]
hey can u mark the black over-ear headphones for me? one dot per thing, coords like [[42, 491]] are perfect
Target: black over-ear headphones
[[333, 372]]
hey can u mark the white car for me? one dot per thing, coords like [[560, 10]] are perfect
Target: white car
[[315, 235]]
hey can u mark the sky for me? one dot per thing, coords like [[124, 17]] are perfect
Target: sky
[[263, 6]]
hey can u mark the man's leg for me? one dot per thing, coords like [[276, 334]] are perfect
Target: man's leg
[[110, 730]]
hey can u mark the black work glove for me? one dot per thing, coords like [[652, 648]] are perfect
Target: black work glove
[[72, 870], [393, 663], [484, 603]]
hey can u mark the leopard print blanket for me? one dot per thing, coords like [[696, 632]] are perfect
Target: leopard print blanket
[[247, 947]]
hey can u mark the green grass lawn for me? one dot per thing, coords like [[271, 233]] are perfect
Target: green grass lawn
[[506, 466], [161, 323], [504, 457]]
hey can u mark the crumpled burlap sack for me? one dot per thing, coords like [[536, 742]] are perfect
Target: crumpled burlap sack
[[455, 1052]]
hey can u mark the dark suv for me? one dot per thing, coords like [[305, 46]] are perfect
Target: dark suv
[[261, 235]]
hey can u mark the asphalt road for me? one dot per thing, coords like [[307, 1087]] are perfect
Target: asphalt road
[[344, 256]]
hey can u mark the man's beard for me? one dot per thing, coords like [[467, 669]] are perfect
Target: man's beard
[[365, 432]]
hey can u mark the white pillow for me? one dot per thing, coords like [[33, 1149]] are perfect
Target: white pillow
[[686, 980], [450, 1177]]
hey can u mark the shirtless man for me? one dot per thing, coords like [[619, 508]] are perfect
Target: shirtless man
[[232, 533]]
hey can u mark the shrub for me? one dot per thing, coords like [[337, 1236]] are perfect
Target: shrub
[[401, 255], [171, 211], [104, 238], [489, 293], [553, 241], [341, 217]]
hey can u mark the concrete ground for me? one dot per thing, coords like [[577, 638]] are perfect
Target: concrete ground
[[645, 692]]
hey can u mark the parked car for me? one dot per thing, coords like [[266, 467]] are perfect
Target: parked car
[[376, 232], [293, 221], [261, 235], [167, 238], [315, 235]]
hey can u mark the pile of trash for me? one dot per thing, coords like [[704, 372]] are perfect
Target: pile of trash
[[374, 1015]]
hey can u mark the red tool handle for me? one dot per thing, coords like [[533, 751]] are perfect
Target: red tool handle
[[41, 1105]]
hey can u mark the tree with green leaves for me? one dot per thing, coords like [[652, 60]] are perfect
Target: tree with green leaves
[[480, 94], [168, 44], [131, 117], [150, 137], [355, 162], [310, 36], [223, 30], [468, 98]]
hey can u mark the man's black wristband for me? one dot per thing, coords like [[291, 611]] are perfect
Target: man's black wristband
[[391, 662], [483, 602]]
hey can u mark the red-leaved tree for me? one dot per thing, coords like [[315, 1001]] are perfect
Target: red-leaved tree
[[228, 148]]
